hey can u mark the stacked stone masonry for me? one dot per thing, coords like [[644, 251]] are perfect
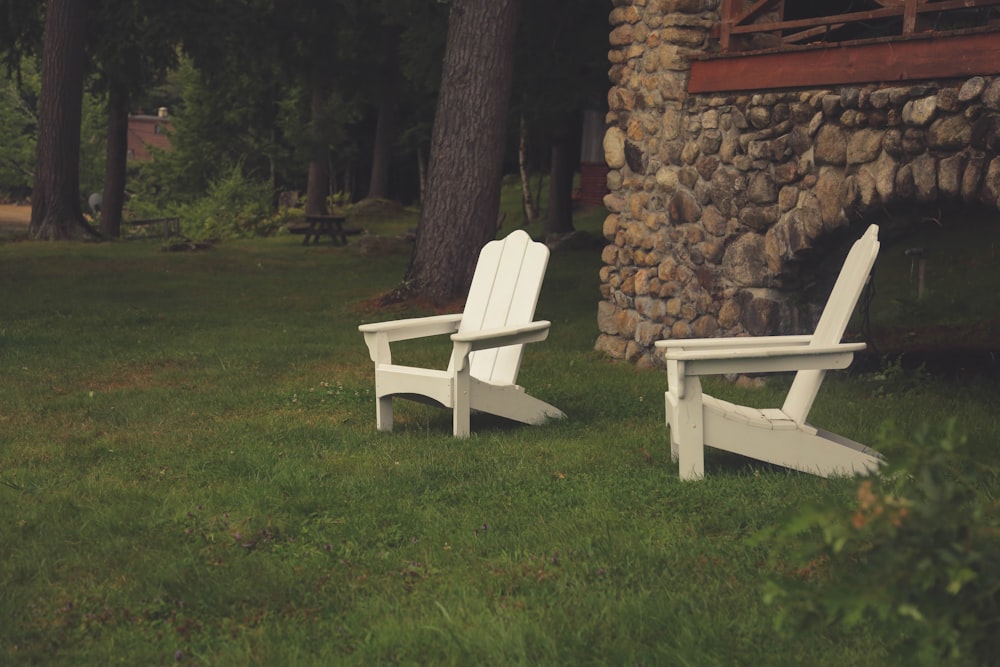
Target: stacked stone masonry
[[715, 199]]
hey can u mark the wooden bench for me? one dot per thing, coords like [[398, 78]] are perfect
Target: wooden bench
[[324, 225], [168, 226]]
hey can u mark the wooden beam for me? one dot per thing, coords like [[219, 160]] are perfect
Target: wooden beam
[[909, 11], [931, 57], [726, 23], [909, 17], [797, 37], [818, 21]]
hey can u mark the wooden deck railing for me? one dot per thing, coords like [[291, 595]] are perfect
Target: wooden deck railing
[[892, 18]]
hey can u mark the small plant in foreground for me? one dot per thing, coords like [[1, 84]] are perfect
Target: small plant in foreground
[[919, 550]]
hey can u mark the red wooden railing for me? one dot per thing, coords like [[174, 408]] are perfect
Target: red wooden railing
[[745, 18]]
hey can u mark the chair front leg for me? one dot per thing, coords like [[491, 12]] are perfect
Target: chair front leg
[[383, 413], [690, 430], [685, 416], [671, 415], [461, 402]]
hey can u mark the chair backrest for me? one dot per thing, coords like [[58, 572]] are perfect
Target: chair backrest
[[832, 323], [504, 292]]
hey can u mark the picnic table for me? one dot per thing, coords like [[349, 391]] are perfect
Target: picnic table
[[325, 225]]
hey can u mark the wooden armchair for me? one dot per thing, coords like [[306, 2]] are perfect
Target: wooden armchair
[[781, 436], [488, 339]]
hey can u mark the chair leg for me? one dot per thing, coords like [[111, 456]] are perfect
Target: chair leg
[[383, 413], [461, 404], [687, 428], [671, 418]]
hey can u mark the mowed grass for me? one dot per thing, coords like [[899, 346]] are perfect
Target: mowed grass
[[190, 474]]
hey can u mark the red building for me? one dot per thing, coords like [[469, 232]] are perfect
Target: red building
[[145, 132]]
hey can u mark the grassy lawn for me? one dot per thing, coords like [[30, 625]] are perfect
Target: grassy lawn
[[190, 474]]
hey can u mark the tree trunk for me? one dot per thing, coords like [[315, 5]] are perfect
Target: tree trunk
[[560, 214], [467, 146], [527, 201], [378, 184], [316, 187], [55, 199], [421, 173], [318, 183], [113, 197], [385, 127]]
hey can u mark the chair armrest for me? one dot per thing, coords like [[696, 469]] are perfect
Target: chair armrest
[[764, 359], [414, 327], [487, 339], [503, 336], [740, 342], [378, 335]]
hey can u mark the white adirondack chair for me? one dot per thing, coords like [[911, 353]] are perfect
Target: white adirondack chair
[[488, 339], [779, 436]]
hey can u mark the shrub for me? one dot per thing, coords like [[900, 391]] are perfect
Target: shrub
[[918, 548], [234, 207]]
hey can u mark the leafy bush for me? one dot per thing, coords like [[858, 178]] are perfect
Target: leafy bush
[[234, 207], [918, 549]]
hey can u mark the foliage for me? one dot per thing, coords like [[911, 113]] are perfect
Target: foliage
[[247, 85], [20, 32], [18, 121], [220, 126], [19, 128], [919, 547], [211, 136], [233, 206], [132, 43], [336, 123], [93, 145], [249, 98], [562, 61], [230, 205]]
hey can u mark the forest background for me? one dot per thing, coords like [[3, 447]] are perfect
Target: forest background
[[334, 100]]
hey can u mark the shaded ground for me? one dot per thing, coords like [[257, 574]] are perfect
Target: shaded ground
[[14, 220], [15, 214], [945, 362], [951, 351]]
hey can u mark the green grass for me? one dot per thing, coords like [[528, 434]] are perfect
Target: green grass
[[190, 474]]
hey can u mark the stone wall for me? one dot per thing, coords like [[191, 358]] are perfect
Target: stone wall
[[721, 205]]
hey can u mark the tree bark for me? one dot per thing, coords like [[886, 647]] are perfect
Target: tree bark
[[467, 147], [560, 212], [385, 127], [55, 199], [318, 183], [113, 196], [378, 184], [421, 173], [527, 200]]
